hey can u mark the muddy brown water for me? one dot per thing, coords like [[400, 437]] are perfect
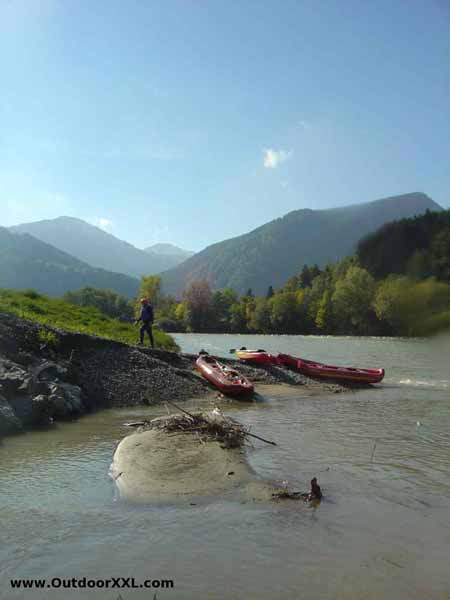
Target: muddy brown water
[[382, 457]]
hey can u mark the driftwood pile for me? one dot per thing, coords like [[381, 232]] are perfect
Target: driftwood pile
[[226, 431], [208, 426]]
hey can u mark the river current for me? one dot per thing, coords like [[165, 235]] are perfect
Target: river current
[[382, 457]]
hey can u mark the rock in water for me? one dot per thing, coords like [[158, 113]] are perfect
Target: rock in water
[[154, 465], [66, 400], [9, 423]]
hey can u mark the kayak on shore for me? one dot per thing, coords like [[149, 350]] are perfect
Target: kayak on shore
[[225, 379], [321, 371], [261, 357]]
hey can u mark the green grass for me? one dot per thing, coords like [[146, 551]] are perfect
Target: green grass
[[57, 313]]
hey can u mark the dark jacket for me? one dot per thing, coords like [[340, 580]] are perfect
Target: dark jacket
[[146, 314]]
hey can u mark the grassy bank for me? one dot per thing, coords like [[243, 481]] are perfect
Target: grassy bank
[[57, 313]]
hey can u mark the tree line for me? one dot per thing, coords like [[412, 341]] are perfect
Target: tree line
[[341, 299], [398, 283]]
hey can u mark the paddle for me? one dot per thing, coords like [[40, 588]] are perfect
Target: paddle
[[233, 350]]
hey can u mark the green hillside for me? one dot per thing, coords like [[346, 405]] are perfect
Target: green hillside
[[274, 252], [418, 247], [57, 313], [399, 284], [26, 262]]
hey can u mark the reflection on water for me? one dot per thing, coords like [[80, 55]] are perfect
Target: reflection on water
[[382, 457]]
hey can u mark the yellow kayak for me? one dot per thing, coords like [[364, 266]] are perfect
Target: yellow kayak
[[257, 356]]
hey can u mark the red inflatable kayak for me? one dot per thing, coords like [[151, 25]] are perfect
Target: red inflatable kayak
[[321, 371], [257, 356], [227, 380]]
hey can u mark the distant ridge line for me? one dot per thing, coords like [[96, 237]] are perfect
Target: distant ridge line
[[273, 252]]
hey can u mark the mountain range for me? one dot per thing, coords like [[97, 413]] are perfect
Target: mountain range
[[272, 253], [26, 262], [101, 249], [66, 253]]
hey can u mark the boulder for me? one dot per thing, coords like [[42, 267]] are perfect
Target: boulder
[[13, 379], [66, 400], [9, 423], [42, 409], [194, 460], [153, 466], [40, 388], [21, 405]]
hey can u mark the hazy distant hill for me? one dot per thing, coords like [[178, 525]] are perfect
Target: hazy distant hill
[[95, 246], [171, 253], [26, 262], [275, 251]]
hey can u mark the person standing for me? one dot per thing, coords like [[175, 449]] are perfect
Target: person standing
[[147, 318]]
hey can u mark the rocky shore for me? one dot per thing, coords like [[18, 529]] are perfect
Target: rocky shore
[[49, 374]]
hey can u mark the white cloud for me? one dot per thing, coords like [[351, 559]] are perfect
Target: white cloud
[[104, 223], [273, 158]]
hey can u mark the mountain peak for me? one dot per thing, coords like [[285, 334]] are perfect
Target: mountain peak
[[96, 247], [164, 248], [27, 262]]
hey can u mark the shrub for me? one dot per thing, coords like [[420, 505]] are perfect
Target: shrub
[[170, 325], [32, 294], [48, 338], [35, 308]]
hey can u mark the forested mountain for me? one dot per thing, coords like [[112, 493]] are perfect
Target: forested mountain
[[26, 262], [398, 284], [274, 252], [96, 247], [419, 247]]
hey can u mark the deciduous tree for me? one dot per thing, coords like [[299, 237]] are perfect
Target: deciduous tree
[[352, 300], [198, 299]]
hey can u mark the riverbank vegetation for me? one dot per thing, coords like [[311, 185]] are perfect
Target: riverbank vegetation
[[397, 284], [84, 319], [106, 301], [341, 299]]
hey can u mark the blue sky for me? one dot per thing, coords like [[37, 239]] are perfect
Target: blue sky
[[191, 121]]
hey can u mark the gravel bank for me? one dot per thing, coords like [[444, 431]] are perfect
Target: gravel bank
[[48, 374]]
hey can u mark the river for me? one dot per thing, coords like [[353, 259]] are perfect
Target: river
[[382, 457]]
